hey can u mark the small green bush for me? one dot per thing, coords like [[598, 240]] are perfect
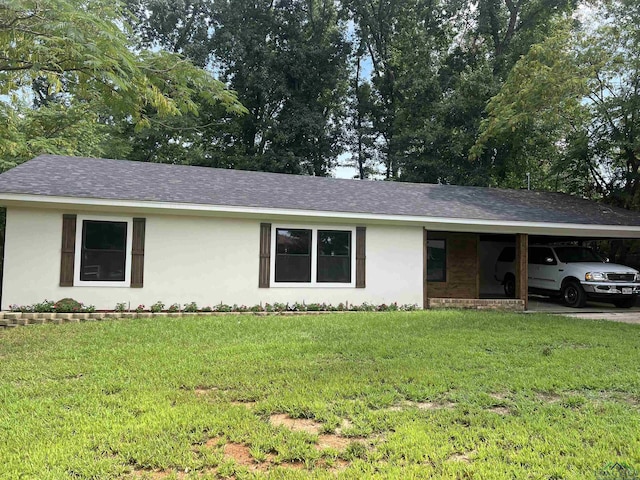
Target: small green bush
[[190, 307], [157, 307], [46, 306], [69, 305]]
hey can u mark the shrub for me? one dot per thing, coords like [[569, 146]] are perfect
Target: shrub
[[173, 308], [46, 306], [68, 305], [223, 308], [140, 308], [409, 307], [317, 307], [157, 307], [190, 307], [21, 308], [120, 307], [280, 307], [206, 309]]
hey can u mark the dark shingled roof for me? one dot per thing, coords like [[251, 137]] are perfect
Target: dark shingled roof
[[124, 180]]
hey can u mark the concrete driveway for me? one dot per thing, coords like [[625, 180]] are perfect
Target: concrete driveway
[[592, 311]]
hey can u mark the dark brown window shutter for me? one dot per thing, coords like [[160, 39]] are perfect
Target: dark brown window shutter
[[361, 256], [265, 255], [137, 253], [68, 255]]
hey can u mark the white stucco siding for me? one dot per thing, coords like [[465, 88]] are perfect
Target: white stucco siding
[[207, 260]]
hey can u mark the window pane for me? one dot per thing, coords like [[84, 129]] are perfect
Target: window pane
[[293, 255], [334, 256], [293, 268], [103, 255], [334, 269], [333, 243], [104, 235], [293, 242], [102, 266], [436, 261]]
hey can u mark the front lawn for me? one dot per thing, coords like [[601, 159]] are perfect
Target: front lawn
[[393, 395]]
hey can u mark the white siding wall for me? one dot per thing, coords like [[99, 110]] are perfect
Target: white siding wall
[[207, 260]]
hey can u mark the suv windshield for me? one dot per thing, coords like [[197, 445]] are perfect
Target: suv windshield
[[577, 254]]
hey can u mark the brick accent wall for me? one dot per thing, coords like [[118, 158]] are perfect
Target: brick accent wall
[[463, 266], [511, 305]]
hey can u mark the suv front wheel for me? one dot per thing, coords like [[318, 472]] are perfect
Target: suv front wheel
[[573, 294]]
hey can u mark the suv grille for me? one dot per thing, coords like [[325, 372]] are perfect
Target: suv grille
[[621, 277]]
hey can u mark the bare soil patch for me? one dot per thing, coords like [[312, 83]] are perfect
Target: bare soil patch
[[240, 453], [464, 457], [500, 410], [346, 424], [296, 424], [420, 406], [239, 403], [201, 391], [548, 397], [213, 442], [158, 474], [332, 441], [499, 395]]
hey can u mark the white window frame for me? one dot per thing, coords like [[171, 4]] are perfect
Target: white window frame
[[314, 257], [80, 219]]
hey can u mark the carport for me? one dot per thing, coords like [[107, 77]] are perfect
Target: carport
[[459, 260]]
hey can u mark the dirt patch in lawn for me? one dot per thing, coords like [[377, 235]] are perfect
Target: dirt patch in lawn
[[241, 403], [464, 457], [332, 441], [160, 474], [420, 406], [240, 454], [548, 397], [296, 424], [329, 440], [499, 395], [346, 424], [201, 390], [500, 410]]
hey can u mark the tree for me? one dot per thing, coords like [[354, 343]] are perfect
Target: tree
[[287, 61], [571, 106], [76, 59]]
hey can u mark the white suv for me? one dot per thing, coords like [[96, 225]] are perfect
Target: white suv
[[576, 273]]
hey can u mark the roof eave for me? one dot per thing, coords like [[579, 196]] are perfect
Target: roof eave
[[431, 223]]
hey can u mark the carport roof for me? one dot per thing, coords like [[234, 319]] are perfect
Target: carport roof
[[120, 180]]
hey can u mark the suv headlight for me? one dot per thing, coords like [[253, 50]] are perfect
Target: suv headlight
[[596, 276]]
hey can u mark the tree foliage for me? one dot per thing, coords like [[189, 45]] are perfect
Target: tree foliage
[[475, 92], [570, 108], [76, 59], [287, 62]]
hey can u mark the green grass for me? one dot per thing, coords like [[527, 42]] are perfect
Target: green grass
[[532, 396]]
